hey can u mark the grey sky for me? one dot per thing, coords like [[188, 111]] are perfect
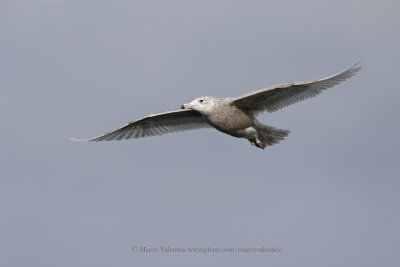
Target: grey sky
[[328, 195]]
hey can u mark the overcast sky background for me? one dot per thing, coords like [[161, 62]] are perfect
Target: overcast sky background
[[326, 196]]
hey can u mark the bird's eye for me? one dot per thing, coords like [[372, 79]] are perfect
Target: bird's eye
[[201, 100]]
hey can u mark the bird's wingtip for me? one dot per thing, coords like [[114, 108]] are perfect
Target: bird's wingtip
[[78, 140], [357, 64], [353, 69]]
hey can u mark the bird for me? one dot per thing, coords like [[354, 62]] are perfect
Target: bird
[[235, 116]]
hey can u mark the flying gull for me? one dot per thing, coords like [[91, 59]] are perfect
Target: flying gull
[[235, 116]]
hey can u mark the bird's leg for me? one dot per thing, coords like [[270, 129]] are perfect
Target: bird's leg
[[257, 142], [260, 144], [252, 142]]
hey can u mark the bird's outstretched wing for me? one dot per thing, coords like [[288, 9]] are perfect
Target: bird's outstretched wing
[[279, 96], [155, 124]]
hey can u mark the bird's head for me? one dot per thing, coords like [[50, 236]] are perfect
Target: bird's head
[[204, 104]]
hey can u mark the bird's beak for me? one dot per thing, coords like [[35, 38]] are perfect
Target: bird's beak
[[186, 106]]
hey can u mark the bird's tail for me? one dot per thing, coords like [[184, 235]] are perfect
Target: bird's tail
[[270, 135]]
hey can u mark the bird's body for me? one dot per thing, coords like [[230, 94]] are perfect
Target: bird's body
[[233, 116], [229, 119]]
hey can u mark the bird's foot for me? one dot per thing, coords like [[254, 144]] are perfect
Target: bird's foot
[[260, 145], [257, 143]]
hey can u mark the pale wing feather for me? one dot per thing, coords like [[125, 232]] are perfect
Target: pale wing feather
[[155, 124], [279, 96]]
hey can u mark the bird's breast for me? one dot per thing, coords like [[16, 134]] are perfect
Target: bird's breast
[[230, 120]]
